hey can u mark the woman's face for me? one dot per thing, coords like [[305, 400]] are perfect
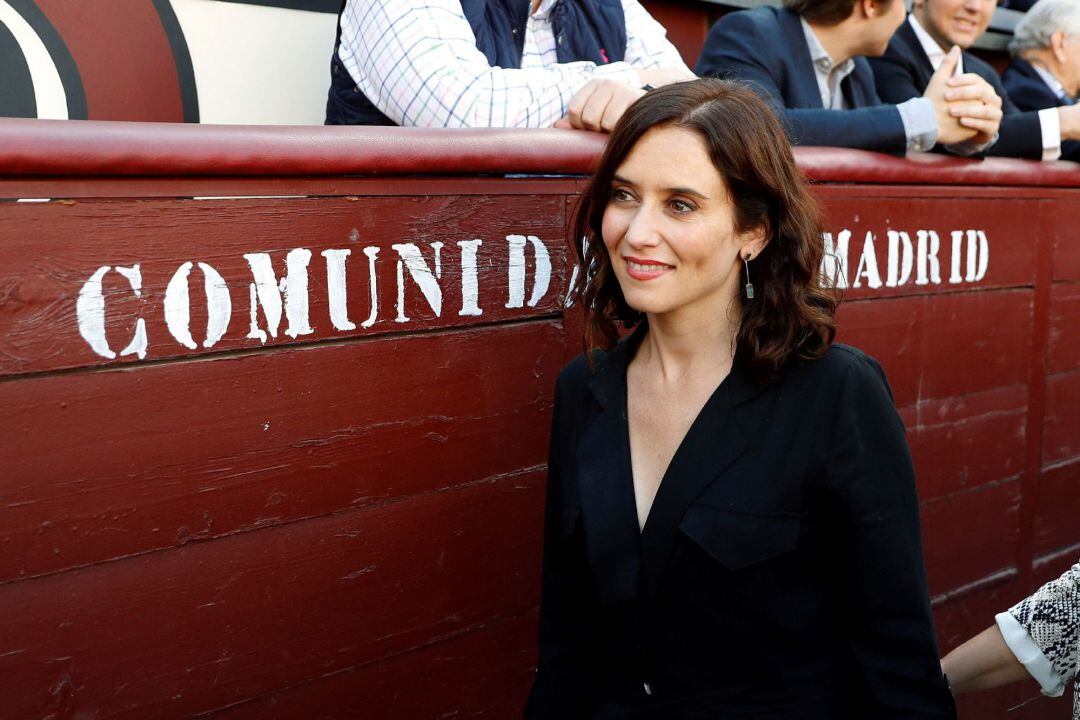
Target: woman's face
[[669, 228]]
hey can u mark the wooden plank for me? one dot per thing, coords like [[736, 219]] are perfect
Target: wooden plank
[[1060, 218], [188, 630], [119, 186], [970, 535], [483, 673], [951, 406], [963, 616], [1056, 525], [980, 243], [975, 341], [174, 452], [72, 187], [950, 445], [1061, 430], [944, 346], [1052, 565], [1037, 401], [438, 262], [40, 332], [1063, 339]]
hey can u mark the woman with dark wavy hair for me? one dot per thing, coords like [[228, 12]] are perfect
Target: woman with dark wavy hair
[[732, 526]]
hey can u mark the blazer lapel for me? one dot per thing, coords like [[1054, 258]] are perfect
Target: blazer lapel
[[606, 482], [715, 440], [906, 34]]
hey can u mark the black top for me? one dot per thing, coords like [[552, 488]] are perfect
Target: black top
[[766, 48], [779, 574], [904, 71]]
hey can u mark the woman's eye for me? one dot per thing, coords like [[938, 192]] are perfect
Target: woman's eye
[[681, 206], [620, 195]]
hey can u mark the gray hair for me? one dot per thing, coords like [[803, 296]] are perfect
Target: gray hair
[[1040, 22]]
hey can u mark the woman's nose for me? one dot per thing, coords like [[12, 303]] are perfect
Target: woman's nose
[[644, 227]]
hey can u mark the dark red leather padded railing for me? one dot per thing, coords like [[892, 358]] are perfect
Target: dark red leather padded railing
[[64, 147]]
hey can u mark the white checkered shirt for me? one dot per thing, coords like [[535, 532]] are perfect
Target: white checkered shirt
[[417, 61]]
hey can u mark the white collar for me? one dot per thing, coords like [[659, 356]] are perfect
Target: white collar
[[544, 9], [820, 56], [933, 51]]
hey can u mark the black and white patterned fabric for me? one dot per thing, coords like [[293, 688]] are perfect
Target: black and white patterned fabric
[[1051, 616]]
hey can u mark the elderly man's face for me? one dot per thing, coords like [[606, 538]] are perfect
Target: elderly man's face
[[955, 22]]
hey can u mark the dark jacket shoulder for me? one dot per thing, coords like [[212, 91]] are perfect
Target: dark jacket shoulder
[[1026, 88], [764, 20], [748, 35], [836, 361], [842, 369]]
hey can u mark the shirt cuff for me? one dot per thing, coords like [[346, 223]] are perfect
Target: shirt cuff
[[920, 123], [1028, 653], [1051, 133]]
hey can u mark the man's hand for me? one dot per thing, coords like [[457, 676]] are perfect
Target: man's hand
[[949, 128], [974, 103], [665, 76], [1069, 117], [599, 105]]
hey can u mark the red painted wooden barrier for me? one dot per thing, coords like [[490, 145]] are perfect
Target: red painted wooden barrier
[[276, 404]]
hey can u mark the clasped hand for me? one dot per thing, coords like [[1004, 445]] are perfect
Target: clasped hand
[[966, 106], [600, 104]]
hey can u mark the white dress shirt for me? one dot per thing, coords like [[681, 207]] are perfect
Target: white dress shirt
[[1048, 119], [417, 61]]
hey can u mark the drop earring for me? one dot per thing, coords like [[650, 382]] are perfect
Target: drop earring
[[749, 285]]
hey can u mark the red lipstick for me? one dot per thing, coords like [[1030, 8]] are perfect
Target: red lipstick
[[642, 269]]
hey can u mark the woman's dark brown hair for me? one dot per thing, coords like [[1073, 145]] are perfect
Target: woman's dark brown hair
[[791, 315]]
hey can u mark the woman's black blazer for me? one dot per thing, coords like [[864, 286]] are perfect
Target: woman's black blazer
[[779, 573]]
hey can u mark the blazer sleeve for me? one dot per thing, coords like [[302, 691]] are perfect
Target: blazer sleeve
[[565, 686], [739, 48], [890, 628], [1020, 134], [1051, 616]]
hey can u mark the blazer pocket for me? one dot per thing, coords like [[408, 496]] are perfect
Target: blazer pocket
[[738, 540]]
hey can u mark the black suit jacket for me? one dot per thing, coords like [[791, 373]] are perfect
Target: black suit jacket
[[779, 575], [1030, 92], [766, 48], [904, 71]]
